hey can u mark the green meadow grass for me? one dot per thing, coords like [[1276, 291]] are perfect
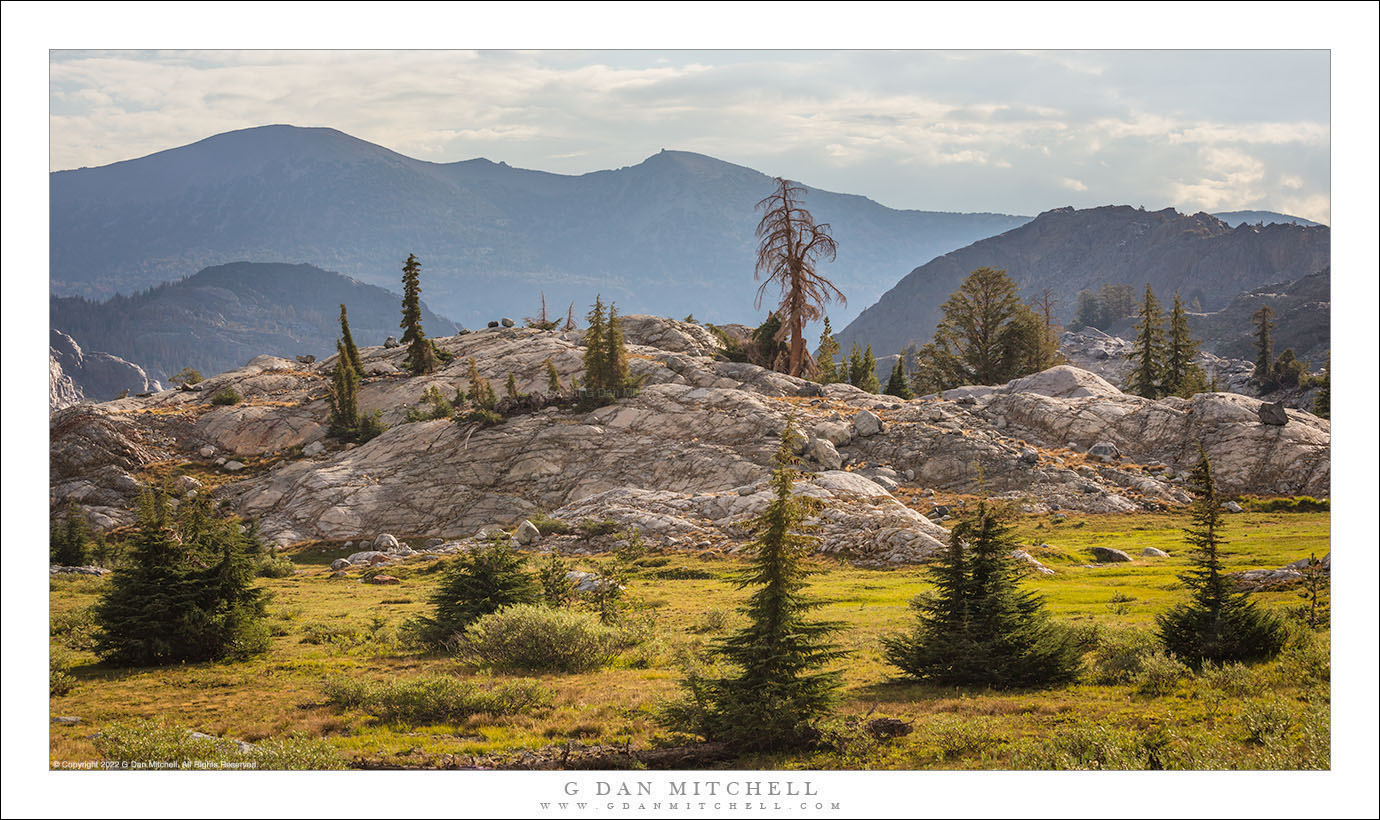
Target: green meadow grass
[[330, 630]]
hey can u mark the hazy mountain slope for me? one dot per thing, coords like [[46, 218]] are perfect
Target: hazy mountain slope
[[673, 234], [225, 315], [1303, 320], [1069, 250]]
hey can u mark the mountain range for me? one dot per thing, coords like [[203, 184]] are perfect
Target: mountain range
[[1067, 251], [672, 234], [225, 315]]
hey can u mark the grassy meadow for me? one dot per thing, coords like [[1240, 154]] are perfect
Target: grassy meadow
[[333, 633]]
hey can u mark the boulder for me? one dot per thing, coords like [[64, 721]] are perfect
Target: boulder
[[527, 533], [186, 484], [822, 452], [386, 543], [493, 323], [506, 322], [206, 452], [233, 466], [1030, 562], [866, 423], [1105, 451], [1107, 555], [836, 433], [307, 359], [391, 342], [313, 449], [383, 579], [1029, 455], [1151, 552], [366, 557], [1231, 506], [1257, 579], [1273, 414], [340, 563]]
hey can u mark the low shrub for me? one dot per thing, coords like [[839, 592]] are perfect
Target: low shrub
[[1299, 504], [954, 738], [433, 405], [371, 426], [435, 699], [75, 629], [275, 566], [1306, 660], [632, 547], [683, 574], [1266, 721], [596, 527], [538, 638], [1235, 681], [547, 525], [481, 416], [1083, 746], [1159, 675], [226, 396], [146, 742], [1118, 655], [60, 680], [711, 620]]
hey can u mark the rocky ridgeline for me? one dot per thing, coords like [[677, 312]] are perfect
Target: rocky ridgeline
[[685, 460]]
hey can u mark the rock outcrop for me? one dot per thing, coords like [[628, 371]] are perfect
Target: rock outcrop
[[684, 460], [75, 374]]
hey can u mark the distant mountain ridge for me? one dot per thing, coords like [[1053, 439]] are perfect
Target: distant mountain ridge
[[1235, 218], [225, 315], [671, 235], [1068, 250]]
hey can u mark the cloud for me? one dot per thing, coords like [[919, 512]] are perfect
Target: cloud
[[1003, 131]]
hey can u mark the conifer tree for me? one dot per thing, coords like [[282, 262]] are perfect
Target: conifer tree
[[1147, 375], [867, 379], [779, 686], [768, 349], [1264, 349], [480, 582], [596, 348], [987, 336], [827, 364], [411, 323], [553, 379], [1322, 400], [1219, 623], [69, 539], [343, 396], [1288, 371], [481, 393], [1182, 375], [349, 343], [616, 372], [979, 627], [187, 593], [570, 318], [855, 366], [898, 385], [421, 355], [510, 387]]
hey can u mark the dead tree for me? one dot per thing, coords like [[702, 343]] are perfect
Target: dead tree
[[791, 243]]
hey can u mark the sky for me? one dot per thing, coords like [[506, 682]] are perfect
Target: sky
[[1005, 131]]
